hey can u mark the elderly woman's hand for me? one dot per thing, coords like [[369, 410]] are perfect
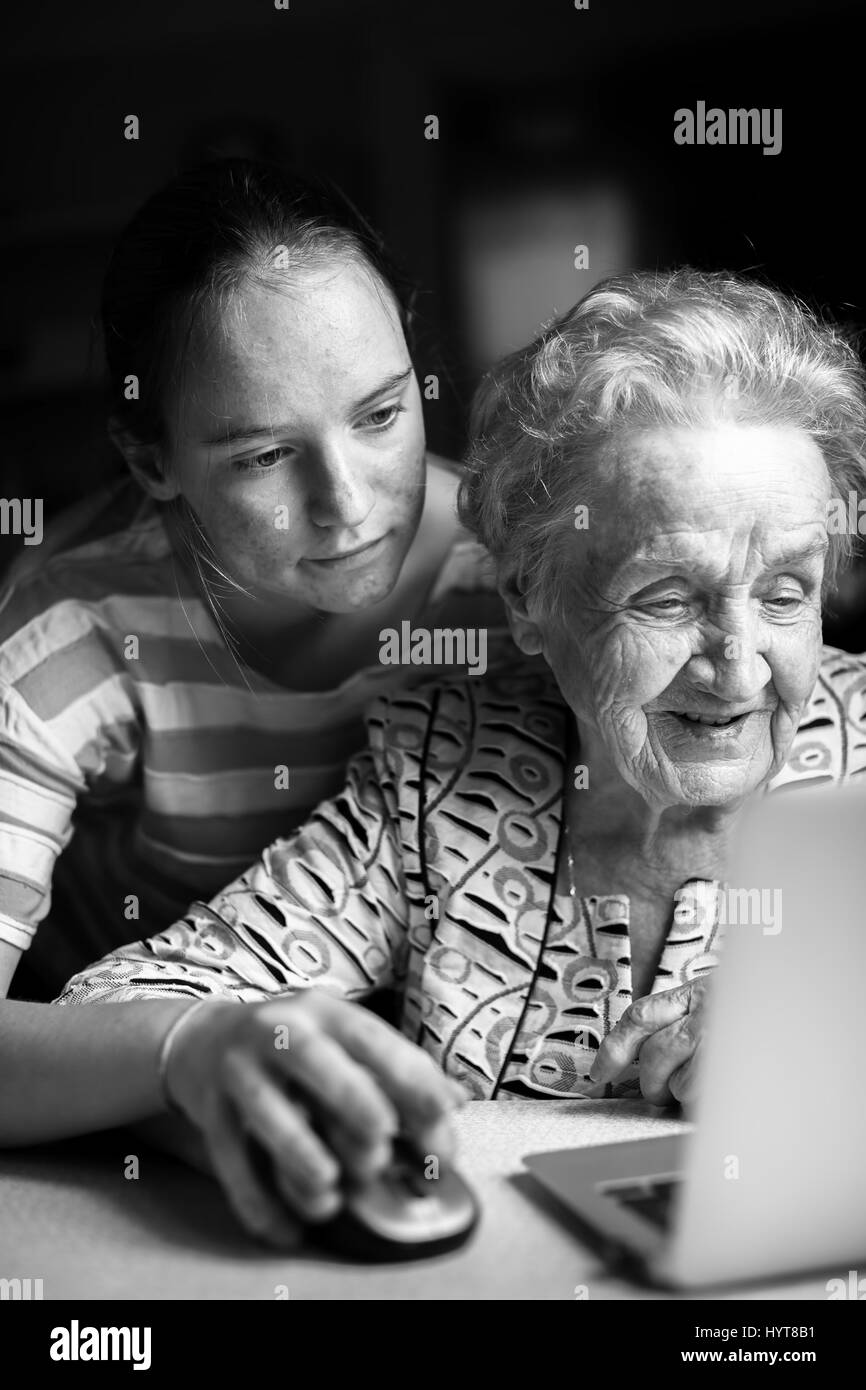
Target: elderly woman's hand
[[662, 1034]]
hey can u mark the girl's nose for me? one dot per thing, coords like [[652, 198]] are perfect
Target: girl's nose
[[340, 495]]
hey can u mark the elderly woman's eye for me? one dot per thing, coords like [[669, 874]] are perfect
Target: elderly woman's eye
[[666, 606], [784, 603]]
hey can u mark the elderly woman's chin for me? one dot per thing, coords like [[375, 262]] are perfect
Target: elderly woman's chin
[[702, 764]]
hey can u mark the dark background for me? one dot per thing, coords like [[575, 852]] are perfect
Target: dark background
[[556, 129]]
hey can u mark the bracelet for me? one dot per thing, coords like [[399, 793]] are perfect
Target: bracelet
[[165, 1053]]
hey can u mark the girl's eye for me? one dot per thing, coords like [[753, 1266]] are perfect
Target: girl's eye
[[262, 463], [384, 417]]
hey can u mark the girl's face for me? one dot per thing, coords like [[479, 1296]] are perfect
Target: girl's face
[[299, 439]]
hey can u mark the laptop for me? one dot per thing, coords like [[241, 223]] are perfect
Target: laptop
[[771, 1179]]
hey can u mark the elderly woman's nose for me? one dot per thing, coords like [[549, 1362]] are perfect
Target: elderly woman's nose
[[732, 668], [339, 493]]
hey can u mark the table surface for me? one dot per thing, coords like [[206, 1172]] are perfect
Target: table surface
[[69, 1216]]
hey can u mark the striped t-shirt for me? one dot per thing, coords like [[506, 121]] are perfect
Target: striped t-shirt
[[141, 766]]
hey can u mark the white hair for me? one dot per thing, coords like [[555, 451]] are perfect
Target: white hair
[[649, 350]]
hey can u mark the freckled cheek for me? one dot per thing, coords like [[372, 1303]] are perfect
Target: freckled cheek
[[245, 533], [399, 481]]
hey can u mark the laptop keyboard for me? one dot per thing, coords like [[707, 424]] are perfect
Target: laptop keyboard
[[652, 1199]]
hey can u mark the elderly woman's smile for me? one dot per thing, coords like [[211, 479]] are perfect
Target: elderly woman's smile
[[693, 631]]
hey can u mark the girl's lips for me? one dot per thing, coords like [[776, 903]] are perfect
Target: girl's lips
[[359, 555]]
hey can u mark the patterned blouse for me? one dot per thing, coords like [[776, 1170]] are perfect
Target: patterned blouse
[[435, 872]]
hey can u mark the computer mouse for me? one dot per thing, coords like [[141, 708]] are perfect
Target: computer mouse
[[402, 1214]]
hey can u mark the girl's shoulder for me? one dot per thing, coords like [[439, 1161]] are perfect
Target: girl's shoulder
[[67, 603], [90, 553], [116, 523]]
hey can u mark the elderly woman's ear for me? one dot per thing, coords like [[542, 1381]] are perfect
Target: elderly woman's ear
[[525, 631]]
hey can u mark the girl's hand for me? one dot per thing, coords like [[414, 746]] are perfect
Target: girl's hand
[[322, 1085]]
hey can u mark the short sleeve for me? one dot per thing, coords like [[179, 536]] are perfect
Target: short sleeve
[[39, 787]]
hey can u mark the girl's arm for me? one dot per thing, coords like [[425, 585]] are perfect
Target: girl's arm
[[69, 1071], [325, 908], [271, 1056], [317, 1084]]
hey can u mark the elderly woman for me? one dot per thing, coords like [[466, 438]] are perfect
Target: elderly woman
[[534, 860]]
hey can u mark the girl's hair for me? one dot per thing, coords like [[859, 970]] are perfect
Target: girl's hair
[[648, 350], [197, 241]]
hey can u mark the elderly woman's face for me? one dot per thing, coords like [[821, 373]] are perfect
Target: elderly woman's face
[[696, 628]]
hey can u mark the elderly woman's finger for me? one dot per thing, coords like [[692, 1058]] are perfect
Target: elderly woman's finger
[[662, 1055], [683, 1081], [640, 1020]]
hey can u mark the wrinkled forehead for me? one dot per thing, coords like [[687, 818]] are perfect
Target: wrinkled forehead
[[729, 496]]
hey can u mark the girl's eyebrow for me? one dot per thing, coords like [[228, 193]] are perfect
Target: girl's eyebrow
[[242, 434], [389, 384]]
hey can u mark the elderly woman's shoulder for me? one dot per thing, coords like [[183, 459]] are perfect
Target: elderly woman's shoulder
[[840, 675], [516, 701], [830, 743]]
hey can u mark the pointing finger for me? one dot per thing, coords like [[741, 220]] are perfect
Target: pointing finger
[[640, 1020]]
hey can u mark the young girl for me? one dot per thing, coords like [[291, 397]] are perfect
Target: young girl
[[184, 662]]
